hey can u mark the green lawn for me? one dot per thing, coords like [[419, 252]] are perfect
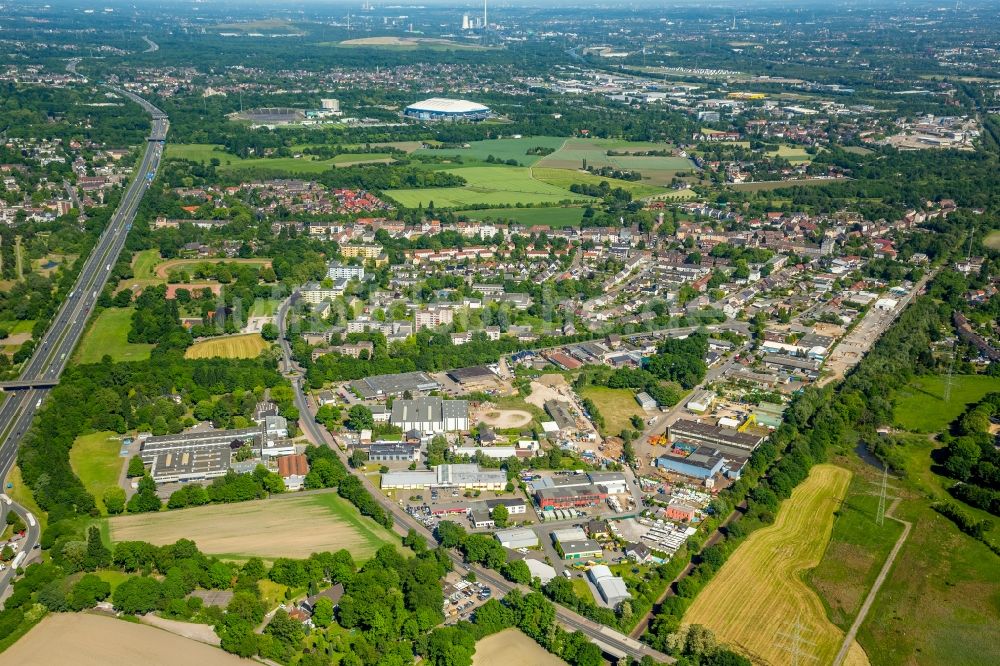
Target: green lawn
[[920, 405], [548, 216], [566, 177], [487, 185], [144, 264], [21, 493], [504, 149], [992, 240], [95, 460], [17, 326], [615, 405], [108, 334]]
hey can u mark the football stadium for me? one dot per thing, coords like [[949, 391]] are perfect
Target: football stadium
[[439, 108]]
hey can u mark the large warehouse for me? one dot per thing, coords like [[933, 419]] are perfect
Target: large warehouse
[[440, 108]]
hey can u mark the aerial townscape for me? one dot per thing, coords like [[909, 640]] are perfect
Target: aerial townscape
[[560, 333]]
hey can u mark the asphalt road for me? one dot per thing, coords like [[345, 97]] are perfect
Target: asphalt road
[[57, 344], [607, 639]]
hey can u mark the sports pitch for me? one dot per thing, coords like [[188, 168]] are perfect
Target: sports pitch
[[285, 526], [759, 595]]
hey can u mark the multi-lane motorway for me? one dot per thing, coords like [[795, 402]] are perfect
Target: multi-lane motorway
[[610, 641], [42, 371]]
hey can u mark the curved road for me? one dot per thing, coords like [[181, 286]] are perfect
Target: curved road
[[43, 369]]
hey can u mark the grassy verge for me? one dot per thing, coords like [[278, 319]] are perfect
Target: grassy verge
[[108, 335], [95, 460]]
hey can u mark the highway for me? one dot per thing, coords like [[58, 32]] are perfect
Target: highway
[[43, 369], [610, 641]]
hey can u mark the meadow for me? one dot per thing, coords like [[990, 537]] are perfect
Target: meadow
[[205, 152], [759, 592], [504, 149], [566, 177], [249, 345], [108, 335], [549, 216], [992, 240], [486, 185], [293, 525], [920, 405], [95, 460], [406, 43], [617, 406]]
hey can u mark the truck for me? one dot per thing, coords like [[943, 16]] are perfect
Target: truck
[[31, 519], [17, 560], [5, 498]]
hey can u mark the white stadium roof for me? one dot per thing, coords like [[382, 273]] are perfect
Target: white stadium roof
[[444, 105]]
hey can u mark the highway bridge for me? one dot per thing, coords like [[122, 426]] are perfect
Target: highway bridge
[[42, 371]]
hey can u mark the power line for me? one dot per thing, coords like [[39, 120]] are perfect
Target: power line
[[794, 642]]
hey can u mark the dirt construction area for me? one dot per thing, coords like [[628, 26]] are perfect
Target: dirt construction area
[[95, 640], [290, 526], [549, 387], [512, 647], [502, 419]]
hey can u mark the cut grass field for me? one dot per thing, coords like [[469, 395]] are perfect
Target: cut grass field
[[548, 216], [920, 405], [144, 264], [510, 646], [95, 460], [616, 406], [164, 269], [566, 177], [759, 592], [108, 335], [294, 525], [264, 307], [487, 185], [249, 345]]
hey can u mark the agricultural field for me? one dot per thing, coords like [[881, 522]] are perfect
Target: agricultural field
[[249, 345], [566, 177], [655, 170], [205, 152], [95, 460], [939, 603], [510, 646], [617, 406], [549, 216], [293, 525], [108, 335], [487, 185], [762, 580], [920, 405], [95, 640], [504, 149]]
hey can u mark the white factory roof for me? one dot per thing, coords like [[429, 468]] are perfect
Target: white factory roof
[[540, 570], [444, 105]]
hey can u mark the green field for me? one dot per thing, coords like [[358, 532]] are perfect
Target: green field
[[941, 601], [504, 149], [205, 152], [765, 185], [654, 170], [144, 264], [549, 216], [857, 549], [264, 307], [487, 185], [108, 334], [566, 177], [18, 326], [920, 405], [21, 493], [95, 460], [615, 405]]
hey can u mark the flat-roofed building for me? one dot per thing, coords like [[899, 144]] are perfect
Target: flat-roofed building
[[695, 432], [469, 477], [581, 550], [393, 452], [567, 498], [704, 463], [381, 386], [430, 415]]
